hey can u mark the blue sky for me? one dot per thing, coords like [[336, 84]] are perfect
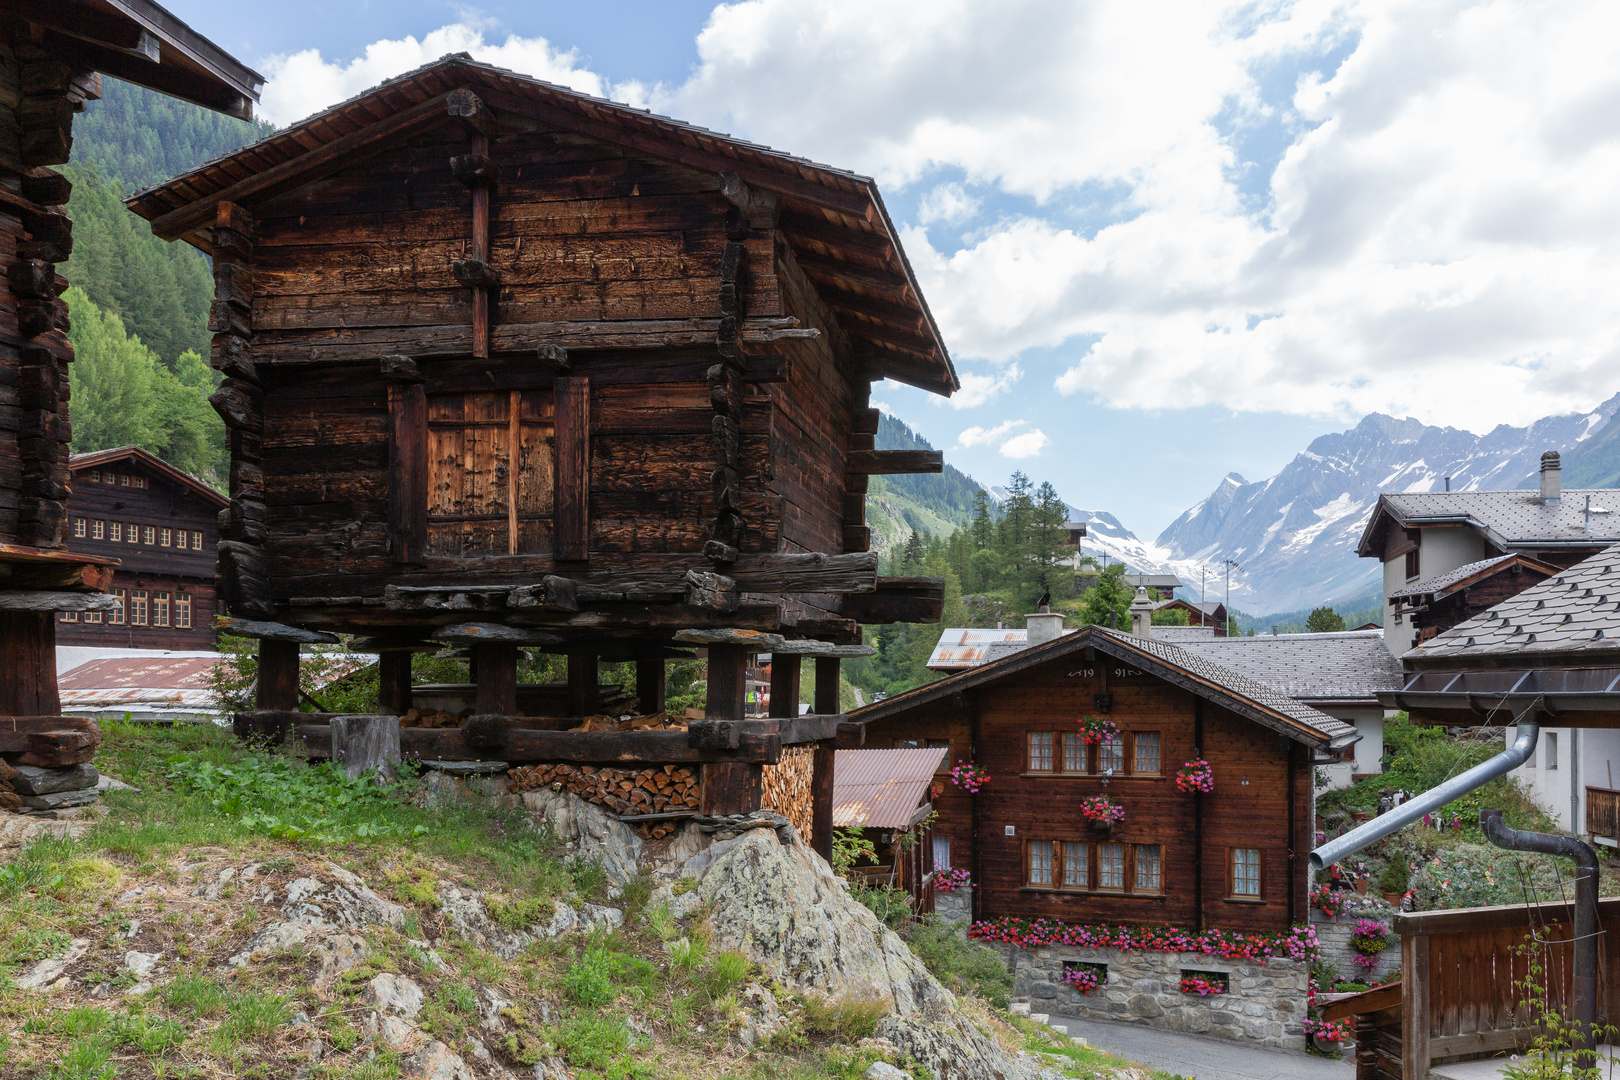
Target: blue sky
[[1164, 242]]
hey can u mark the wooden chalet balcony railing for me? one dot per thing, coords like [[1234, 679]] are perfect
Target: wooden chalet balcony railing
[[1603, 812]]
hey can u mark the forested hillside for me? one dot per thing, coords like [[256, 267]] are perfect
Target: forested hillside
[[140, 305]]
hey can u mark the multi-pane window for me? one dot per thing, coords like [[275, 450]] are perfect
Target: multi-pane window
[[98, 529], [1246, 872], [137, 607], [123, 479], [166, 537], [182, 610], [116, 532], [151, 535], [1413, 564], [1040, 862], [1149, 868], [70, 616], [1110, 866], [1111, 755], [1146, 752], [116, 615], [160, 609], [92, 616], [80, 527], [1074, 752], [196, 541], [1076, 865], [140, 482], [95, 476], [132, 533], [1040, 751]]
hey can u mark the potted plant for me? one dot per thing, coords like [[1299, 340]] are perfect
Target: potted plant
[[1101, 813], [1097, 729], [1196, 776], [968, 776], [1368, 938], [1328, 1036], [1392, 881]]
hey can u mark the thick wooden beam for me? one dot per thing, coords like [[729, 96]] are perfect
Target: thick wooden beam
[[727, 682], [894, 462], [821, 800], [407, 472], [497, 678], [278, 676], [342, 151], [731, 787], [784, 684], [583, 684], [394, 681], [572, 434], [826, 696], [28, 664], [650, 684], [898, 600]]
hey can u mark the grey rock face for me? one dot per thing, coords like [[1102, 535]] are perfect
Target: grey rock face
[[601, 837], [61, 800], [33, 780]]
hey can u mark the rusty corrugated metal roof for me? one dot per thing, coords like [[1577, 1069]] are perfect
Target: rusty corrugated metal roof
[[133, 672], [881, 789], [964, 648]]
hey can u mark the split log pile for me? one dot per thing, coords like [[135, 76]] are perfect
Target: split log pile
[[431, 718], [666, 790], [45, 762], [785, 787]]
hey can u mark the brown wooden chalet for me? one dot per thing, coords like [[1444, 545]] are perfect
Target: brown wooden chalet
[[1234, 858], [510, 365], [51, 59], [1440, 602], [163, 527]]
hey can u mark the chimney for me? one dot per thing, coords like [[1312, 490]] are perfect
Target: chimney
[[1551, 479], [1142, 614], [1448, 483], [1044, 626]]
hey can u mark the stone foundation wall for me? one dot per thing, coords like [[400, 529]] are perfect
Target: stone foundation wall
[[954, 906], [1266, 1003], [1334, 937]]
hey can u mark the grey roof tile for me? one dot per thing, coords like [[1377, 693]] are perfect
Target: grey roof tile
[[1350, 666], [1515, 517], [1576, 611]]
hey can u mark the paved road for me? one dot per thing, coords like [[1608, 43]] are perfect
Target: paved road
[[1204, 1058]]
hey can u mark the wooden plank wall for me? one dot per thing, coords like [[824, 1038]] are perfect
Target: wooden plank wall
[[580, 232]]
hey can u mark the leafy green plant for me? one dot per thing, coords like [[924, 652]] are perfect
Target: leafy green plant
[[723, 974], [842, 1019], [850, 848], [281, 797], [1552, 1054], [520, 913], [589, 981], [891, 906], [963, 965]]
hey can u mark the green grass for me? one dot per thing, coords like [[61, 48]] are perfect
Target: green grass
[[962, 965]]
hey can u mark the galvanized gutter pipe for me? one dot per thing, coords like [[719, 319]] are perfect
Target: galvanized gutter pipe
[[1586, 916], [1413, 809]]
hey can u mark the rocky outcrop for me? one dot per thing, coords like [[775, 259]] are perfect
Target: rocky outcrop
[[464, 912], [590, 832]]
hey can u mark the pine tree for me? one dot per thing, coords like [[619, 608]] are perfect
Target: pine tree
[[1049, 542]]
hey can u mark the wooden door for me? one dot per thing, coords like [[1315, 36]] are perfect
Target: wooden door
[[490, 473]]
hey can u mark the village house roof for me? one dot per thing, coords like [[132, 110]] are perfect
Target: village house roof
[[1442, 585], [1352, 666], [882, 789], [1153, 581], [1180, 635], [1576, 612], [834, 220], [146, 459], [1240, 693], [1508, 519]]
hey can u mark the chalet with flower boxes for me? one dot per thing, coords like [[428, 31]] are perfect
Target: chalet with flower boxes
[[1101, 777]]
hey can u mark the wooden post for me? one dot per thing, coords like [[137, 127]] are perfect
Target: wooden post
[[583, 681], [497, 678], [28, 664], [731, 787], [278, 676], [367, 742], [821, 799], [571, 490], [1415, 1007], [650, 684], [394, 681], [785, 685], [480, 252], [826, 686], [728, 682]]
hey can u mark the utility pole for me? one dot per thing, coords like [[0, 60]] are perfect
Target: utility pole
[[1203, 575], [1230, 564]]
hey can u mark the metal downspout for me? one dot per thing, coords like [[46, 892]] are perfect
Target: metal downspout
[[1586, 917], [1403, 815]]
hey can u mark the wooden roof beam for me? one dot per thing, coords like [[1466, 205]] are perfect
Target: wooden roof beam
[[142, 71], [806, 227], [823, 268]]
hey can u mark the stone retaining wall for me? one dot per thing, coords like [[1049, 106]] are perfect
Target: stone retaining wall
[[1266, 1003], [1334, 937], [954, 906]]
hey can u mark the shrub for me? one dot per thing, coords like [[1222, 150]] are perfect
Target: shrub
[[962, 965], [843, 1019], [1395, 875], [588, 981], [891, 906]]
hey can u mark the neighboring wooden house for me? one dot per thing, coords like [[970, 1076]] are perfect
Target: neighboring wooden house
[[885, 795], [1440, 602], [510, 365], [1421, 536], [1209, 613], [162, 526], [51, 59], [1233, 859]]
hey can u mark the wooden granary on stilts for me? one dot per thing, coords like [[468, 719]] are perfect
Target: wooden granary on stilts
[[52, 56], [508, 366]]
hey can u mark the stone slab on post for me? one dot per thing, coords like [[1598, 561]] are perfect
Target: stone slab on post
[[278, 676], [394, 681], [650, 684], [367, 742], [496, 685], [784, 685], [28, 664]]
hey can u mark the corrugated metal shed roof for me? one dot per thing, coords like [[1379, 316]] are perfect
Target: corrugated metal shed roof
[[138, 684], [960, 648], [881, 789]]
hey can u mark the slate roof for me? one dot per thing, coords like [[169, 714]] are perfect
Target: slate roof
[[1507, 518], [1183, 634], [1353, 665], [1236, 691], [1447, 582], [134, 454], [1153, 581], [1577, 611]]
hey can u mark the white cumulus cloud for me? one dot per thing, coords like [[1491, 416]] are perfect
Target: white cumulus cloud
[[981, 436], [979, 388], [1027, 445]]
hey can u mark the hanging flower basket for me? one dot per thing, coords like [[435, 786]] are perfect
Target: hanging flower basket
[[1097, 729], [1368, 938], [1328, 902], [1102, 813], [1196, 776], [968, 776], [951, 880]]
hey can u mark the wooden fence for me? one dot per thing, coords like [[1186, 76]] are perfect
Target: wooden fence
[[1462, 975], [1603, 812]]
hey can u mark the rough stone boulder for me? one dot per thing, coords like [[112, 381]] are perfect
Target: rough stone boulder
[[465, 914], [782, 907], [600, 837]]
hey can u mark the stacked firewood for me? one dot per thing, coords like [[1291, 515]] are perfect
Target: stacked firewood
[[648, 722], [665, 790], [431, 718], [45, 762], [785, 786]]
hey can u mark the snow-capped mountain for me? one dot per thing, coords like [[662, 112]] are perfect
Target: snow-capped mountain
[[1295, 534]]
